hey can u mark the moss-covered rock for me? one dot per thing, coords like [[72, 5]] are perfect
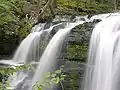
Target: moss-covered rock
[[78, 42], [74, 72], [77, 52]]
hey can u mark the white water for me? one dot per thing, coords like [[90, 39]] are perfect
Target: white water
[[104, 56], [103, 16], [48, 59], [38, 28], [28, 52], [28, 49]]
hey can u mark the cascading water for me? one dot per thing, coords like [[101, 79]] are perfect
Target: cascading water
[[102, 71], [31, 43], [29, 49], [38, 28], [104, 56], [48, 59], [29, 52]]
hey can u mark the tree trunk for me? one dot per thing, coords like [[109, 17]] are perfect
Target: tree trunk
[[51, 4], [45, 7]]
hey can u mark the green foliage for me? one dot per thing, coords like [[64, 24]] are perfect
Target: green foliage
[[50, 79], [5, 72], [77, 52], [13, 25], [10, 13], [86, 7], [23, 30], [9, 10]]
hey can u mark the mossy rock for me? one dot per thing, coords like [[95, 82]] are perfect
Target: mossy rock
[[74, 72], [78, 41]]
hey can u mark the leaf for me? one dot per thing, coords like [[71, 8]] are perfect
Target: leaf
[[63, 76], [61, 79], [53, 75], [55, 80], [58, 71], [48, 75], [39, 88]]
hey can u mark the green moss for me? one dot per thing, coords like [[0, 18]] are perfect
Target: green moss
[[77, 52], [82, 7], [77, 49], [24, 30]]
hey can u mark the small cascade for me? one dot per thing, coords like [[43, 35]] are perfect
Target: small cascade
[[29, 52], [38, 28], [102, 71], [48, 59], [28, 49]]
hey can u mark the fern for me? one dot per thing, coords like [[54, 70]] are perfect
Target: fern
[[8, 8]]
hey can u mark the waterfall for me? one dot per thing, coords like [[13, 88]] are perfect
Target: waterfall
[[29, 49], [31, 43], [48, 59], [102, 71], [29, 52], [42, 47]]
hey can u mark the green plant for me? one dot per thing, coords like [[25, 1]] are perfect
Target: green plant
[[10, 10], [13, 25], [5, 72], [51, 79]]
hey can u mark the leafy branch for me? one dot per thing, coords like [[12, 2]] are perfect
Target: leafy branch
[[5, 72], [51, 79]]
